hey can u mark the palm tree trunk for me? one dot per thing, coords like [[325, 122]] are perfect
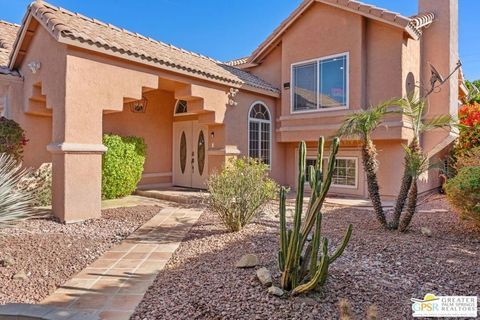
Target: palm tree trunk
[[411, 206], [404, 188], [369, 158]]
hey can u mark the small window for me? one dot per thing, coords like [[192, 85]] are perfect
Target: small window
[[344, 173], [181, 107], [321, 84], [259, 133]]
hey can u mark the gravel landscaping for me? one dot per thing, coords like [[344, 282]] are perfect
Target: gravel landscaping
[[378, 268], [39, 255]]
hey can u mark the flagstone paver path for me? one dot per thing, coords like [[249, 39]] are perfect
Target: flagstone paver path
[[114, 285]]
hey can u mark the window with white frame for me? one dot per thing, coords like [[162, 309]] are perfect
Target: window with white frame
[[344, 174], [320, 84], [259, 133]]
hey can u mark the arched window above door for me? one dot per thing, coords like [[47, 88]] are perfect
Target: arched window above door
[[181, 107], [259, 133]]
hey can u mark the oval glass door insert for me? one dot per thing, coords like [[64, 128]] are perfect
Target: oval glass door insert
[[183, 152], [201, 152]]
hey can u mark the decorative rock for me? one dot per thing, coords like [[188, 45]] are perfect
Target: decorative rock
[[275, 291], [21, 275], [247, 261], [264, 276], [426, 232], [6, 262]]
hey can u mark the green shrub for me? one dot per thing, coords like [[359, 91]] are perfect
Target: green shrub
[[12, 138], [122, 165], [463, 192], [239, 191], [39, 182], [15, 202]]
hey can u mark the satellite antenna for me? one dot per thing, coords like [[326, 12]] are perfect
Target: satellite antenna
[[438, 78]]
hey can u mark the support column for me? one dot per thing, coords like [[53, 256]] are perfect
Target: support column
[[77, 181], [90, 87]]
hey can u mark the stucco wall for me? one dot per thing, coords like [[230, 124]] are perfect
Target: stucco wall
[[155, 127], [38, 129], [236, 130]]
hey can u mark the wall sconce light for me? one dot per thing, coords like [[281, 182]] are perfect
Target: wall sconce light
[[34, 66], [212, 138], [138, 106]]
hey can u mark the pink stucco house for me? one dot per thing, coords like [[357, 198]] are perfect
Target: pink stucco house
[[67, 79]]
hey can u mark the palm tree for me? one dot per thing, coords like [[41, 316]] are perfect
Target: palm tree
[[414, 109], [361, 125], [416, 164]]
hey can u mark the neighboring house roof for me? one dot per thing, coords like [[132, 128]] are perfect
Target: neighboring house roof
[[78, 30], [8, 33], [411, 25]]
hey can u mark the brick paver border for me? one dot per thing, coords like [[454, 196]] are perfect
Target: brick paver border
[[113, 285]]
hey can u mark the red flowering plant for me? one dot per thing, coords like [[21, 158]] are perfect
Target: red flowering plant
[[469, 116], [12, 138]]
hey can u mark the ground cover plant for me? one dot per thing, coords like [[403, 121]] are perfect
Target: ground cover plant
[[122, 165], [239, 191]]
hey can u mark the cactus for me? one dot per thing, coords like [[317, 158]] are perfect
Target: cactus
[[301, 263]]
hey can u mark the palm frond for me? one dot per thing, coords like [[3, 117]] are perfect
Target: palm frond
[[15, 203], [416, 163], [441, 121], [361, 124]]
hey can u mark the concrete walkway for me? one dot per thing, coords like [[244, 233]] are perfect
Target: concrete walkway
[[114, 285]]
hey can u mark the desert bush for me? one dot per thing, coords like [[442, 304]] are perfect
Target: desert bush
[[463, 192], [122, 165], [15, 203], [39, 182], [470, 158], [12, 138], [239, 191]]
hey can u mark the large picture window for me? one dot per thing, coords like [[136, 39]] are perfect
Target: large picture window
[[320, 84], [259, 133], [344, 174]]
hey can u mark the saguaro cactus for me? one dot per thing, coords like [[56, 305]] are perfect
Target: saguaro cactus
[[302, 264]]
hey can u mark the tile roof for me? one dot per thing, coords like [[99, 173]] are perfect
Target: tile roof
[[8, 33], [412, 25], [237, 62], [91, 33]]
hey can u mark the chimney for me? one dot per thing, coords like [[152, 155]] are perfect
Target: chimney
[[439, 46]]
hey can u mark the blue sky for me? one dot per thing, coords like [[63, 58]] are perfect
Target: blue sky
[[228, 29]]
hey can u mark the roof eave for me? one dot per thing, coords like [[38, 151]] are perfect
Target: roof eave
[[401, 23], [235, 84], [10, 77]]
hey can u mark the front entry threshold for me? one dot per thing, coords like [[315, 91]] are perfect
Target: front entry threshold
[[175, 194]]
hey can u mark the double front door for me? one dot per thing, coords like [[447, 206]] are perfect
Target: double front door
[[190, 167]]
